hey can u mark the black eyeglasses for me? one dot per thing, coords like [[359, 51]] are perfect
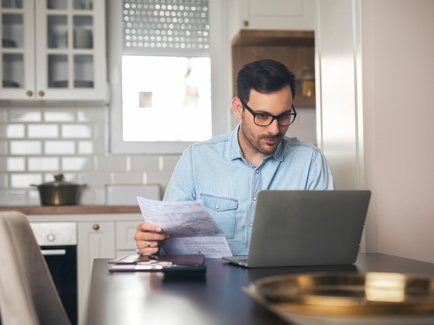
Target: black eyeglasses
[[265, 119]]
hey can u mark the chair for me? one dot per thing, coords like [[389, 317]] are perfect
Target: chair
[[27, 292]]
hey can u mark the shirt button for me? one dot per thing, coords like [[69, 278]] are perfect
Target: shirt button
[[254, 198], [250, 225], [257, 171], [217, 206]]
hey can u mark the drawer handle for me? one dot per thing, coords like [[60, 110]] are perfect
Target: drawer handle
[[41, 93], [95, 226], [53, 252], [29, 93]]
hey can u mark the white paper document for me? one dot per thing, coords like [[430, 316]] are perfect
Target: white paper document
[[192, 230]]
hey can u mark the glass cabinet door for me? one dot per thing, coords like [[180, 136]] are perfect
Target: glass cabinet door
[[70, 50], [52, 49], [12, 54]]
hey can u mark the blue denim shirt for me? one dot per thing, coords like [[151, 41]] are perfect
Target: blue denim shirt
[[215, 172]]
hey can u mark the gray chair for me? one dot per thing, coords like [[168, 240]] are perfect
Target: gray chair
[[27, 292]]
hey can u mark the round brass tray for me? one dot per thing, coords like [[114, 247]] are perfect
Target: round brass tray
[[342, 294]]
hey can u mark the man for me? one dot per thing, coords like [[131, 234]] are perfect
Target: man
[[227, 172]]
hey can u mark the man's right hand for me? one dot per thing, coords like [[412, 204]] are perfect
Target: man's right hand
[[148, 238]]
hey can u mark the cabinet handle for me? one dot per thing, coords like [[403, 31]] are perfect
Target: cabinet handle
[[29, 93], [95, 226], [41, 93], [246, 23]]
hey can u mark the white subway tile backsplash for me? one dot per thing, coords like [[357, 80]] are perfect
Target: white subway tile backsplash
[[77, 131], [92, 196], [15, 131], [56, 116], [77, 163], [111, 163], [169, 162], [99, 132], [3, 147], [59, 147], [93, 179], [25, 147], [15, 164], [68, 177], [37, 142], [24, 180], [35, 131], [144, 164], [43, 164], [3, 115], [33, 197], [100, 147], [4, 183], [86, 147], [91, 115], [25, 115], [127, 177], [13, 197], [161, 178]]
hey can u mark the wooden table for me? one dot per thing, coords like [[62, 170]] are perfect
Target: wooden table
[[150, 298]]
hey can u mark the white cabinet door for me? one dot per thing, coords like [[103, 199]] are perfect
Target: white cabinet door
[[125, 243], [17, 72], [53, 50], [95, 240], [272, 14]]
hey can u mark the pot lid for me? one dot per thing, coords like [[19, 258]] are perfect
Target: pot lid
[[58, 181]]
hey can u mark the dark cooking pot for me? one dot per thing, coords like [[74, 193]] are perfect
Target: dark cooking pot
[[59, 192]]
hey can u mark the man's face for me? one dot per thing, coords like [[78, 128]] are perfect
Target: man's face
[[256, 139]]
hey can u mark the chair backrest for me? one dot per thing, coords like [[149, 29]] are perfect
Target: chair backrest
[[27, 291]]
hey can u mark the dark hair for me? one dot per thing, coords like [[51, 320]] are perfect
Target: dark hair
[[264, 76]]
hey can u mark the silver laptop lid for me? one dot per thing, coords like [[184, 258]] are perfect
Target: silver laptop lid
[[307, 227]]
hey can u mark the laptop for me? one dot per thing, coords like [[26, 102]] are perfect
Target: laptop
[[298, 228]]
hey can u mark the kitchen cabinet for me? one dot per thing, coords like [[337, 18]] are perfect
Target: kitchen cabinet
[[296, 49], [125, 243], [95, 240], [53, 50], [272, 15]]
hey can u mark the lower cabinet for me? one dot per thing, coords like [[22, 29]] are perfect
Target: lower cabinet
[[95, 240], [125, 243], [100, 239]]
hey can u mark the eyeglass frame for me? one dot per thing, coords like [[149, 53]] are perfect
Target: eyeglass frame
[[293, 112]]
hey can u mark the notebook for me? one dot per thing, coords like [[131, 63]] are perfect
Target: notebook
[[297, 228]]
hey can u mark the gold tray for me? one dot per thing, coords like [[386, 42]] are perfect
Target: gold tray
[[347, 294]]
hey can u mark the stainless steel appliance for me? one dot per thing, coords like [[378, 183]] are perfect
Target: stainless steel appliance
[[58, 243]]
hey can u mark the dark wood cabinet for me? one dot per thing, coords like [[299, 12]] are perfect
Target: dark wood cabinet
[[296, 49]]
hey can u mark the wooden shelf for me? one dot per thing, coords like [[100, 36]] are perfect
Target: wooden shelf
[[248, 37]]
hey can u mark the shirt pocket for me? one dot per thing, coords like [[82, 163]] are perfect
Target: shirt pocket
[[223, 210]]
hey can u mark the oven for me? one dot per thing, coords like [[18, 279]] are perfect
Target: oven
[[58, 244]]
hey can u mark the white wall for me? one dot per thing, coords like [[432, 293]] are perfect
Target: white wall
[[398, 83]]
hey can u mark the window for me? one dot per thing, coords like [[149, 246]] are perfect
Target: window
[[161, 61]]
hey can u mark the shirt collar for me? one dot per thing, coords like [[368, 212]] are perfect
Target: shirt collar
[[235, 150]]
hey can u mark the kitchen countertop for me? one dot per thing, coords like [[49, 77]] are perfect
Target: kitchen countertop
[[72, 209]]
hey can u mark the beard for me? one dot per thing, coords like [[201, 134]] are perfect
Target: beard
[[266, 144]]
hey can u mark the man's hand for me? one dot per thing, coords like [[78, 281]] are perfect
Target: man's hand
[[148, 238]]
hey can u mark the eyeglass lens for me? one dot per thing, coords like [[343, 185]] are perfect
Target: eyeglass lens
[[265, 119]]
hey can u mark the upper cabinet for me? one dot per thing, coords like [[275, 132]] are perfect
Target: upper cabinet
[[272, 14], [53, 50]]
